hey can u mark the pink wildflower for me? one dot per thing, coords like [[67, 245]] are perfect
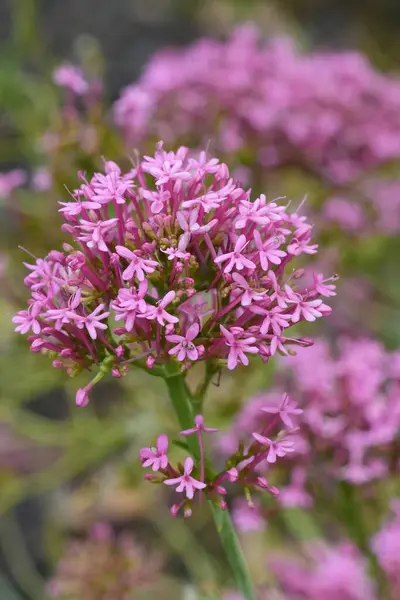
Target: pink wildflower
[[138, 266], [184, 344], [235, 258], [238, 347], [185, 482], [156, 458], [278, 448], [285, 409], [159, 313], [199, 426], [92, 322]]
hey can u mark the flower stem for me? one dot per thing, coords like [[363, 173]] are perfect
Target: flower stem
[[181, 402]]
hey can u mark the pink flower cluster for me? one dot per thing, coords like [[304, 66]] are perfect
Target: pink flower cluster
[[330, 573], [243, 467], [103, 566], [330, 113], [370, 208], [350, 398], [171, 261]]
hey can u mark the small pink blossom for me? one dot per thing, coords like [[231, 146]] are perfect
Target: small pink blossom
[[156, 458], [269, 252], [27, 319], [259, 212], [310, 310], [249, 294], [159, 313], [274, 319], [96, 235], [185, 482], [236, 259], [238, 347], [92, 322], [321, 286], [188, 222], [167, 171], [199, 426], [277, 448], [110, 187], [285, 409], [158, 199], [138, 265], [130, 304], [184, 344]]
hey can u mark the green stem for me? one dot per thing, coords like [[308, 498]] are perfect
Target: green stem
[[181, 402]]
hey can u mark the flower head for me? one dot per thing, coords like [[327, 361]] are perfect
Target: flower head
[[157, 250]]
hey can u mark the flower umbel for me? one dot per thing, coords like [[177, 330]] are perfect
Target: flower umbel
[[177, 253]]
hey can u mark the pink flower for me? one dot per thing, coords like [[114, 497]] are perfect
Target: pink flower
[[167, 171], [72, 209], [130, 304], [156, 458], [274, 319], [158, 199], [199, 426], [110, 187], [277, 448], [190, 226], [310, 310], [185, 482], [278, 294], [184, 344], [236, 258], [277, 343], [238, 347], [321, 286], [249, 295], [284, 410], [92, 321], [138, 265], [27, 319], [96, 235], [268, 252], [204, 166], [159, 313], [259, 212], [302, 246]]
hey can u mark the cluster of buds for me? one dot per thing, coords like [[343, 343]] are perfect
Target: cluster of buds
[[244, 467], [171, 261]]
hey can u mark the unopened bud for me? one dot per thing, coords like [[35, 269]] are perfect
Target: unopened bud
[[116, 372], [150, 361]]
